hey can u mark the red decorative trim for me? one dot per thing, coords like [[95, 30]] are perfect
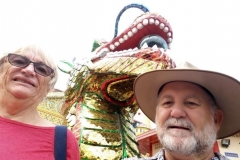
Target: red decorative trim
[[216, 147], [105, 94]]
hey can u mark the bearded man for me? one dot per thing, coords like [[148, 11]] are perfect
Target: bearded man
[[191, 108]]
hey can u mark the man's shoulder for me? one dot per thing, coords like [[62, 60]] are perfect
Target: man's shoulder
[[158, 156], [221, 157]]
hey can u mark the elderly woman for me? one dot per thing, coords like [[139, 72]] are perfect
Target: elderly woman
[[27, 76]]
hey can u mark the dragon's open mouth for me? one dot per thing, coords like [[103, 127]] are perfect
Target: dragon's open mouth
[[148, 30]]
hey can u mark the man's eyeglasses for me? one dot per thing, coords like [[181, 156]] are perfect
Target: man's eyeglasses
[[21, 61]]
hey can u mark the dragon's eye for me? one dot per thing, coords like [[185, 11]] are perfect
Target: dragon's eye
[[152, 40]]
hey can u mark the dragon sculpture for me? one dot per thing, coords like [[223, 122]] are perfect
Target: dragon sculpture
[[99, 102]]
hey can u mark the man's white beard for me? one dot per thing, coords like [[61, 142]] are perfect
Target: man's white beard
[[186, 142]]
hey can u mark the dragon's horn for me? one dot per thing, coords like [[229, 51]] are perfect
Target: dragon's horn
[[134, 5]]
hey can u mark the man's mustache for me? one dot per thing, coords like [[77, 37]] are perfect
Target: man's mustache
[[180, 123]]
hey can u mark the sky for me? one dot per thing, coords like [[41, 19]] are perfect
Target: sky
[[205, 33]]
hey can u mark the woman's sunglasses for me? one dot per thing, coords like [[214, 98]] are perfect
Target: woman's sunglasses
[[21, 61]]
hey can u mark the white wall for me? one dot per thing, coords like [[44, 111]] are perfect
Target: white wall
[[234, 147]]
